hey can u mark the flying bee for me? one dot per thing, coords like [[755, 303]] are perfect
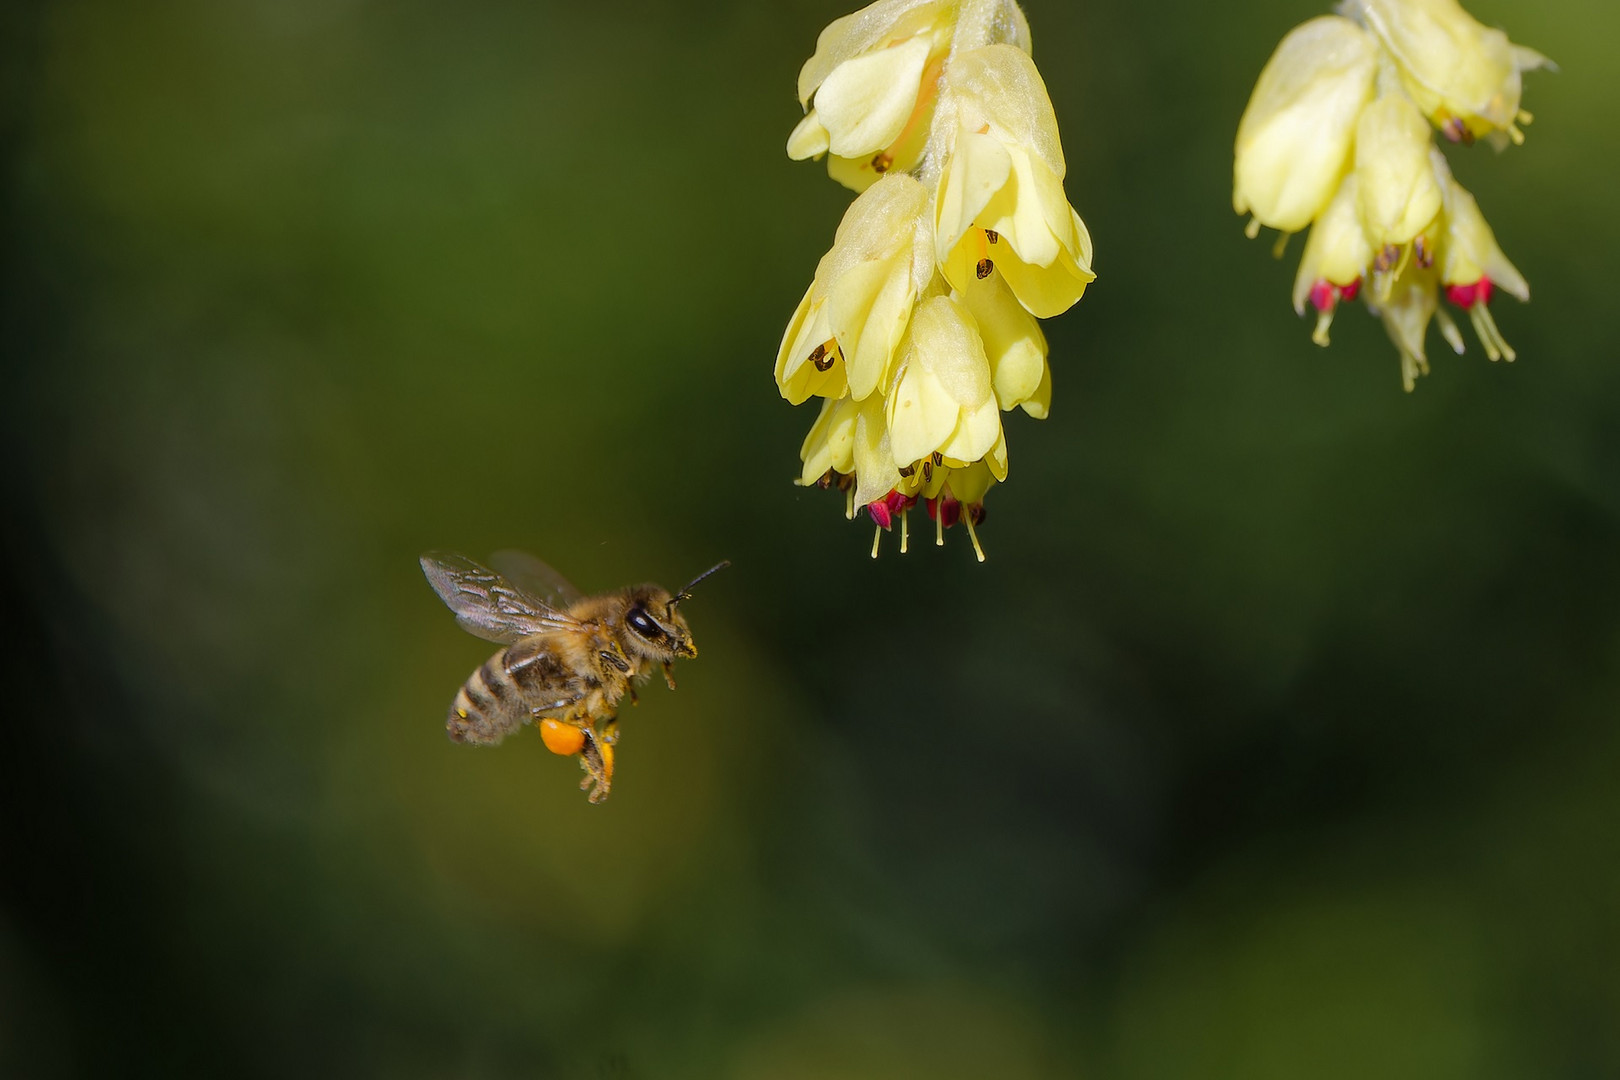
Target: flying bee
[[569, 659]]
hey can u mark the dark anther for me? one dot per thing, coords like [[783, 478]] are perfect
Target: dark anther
[[1387, 257], [908, 470], [984, 269], [882, 162], [928, 471], [826, 480], [820, 358], [991, 235], [1423, 253], [939, 458], [975, 513]]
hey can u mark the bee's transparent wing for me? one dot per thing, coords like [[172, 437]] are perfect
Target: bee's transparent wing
[[486, 604], [540, 578]]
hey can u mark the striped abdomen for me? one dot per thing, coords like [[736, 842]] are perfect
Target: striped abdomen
[[489, 706], [511, 687]]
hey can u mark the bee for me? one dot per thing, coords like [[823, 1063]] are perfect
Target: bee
[[569, 658]]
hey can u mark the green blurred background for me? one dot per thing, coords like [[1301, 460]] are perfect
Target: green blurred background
[[1276, 739]]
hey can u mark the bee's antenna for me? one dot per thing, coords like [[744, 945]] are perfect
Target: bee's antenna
[[686, 590]]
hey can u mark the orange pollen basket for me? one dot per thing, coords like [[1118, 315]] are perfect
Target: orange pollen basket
[[561, 738]]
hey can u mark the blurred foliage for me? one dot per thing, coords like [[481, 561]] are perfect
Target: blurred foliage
[[1276, 739]]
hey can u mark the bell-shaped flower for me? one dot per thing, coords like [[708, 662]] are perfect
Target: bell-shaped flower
[[1473, 268], [1014, 345], [1295, 136], [1397, 191], [1336, 259], [830, 445], [1000, 204], [1406, 311], [943, 403], [1465, 76], [874, 78], [843, 337]]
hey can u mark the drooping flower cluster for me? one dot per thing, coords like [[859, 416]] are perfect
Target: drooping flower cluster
[[1338, 135], [920, 327]]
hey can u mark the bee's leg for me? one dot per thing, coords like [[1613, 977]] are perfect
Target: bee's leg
[[669, 674], [634, 700], [610, 730], [596, 758]]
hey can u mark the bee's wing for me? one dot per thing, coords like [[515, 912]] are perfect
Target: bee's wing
[[486, 604], [539, 578]]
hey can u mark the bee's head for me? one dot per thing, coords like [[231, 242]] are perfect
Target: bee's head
[[653, 626]]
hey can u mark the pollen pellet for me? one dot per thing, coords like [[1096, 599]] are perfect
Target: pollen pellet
[[561, 738], [984, 269]]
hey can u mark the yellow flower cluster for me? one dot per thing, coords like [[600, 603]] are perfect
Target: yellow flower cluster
[[1339, 135], [920, 327]]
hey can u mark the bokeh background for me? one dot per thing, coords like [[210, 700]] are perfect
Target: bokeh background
[[1278, 737]]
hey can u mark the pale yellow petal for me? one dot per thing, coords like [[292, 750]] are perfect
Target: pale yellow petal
[[1047, 291], [1294, 140], [976, 432], [790, 338], [800, 377], [969, 485], [1397, 191], [856, 174], [945, 340], [875, 472], [809, 138], [980, 167], [1013, 342], [996, 459], [872, 27], [1471, 251], [1337, 250], [1040, 402], [831, 441], [999, 85], [865, 102], [868, 309], [920, 414]]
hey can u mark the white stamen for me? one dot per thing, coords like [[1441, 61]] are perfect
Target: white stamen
[[974, 536]]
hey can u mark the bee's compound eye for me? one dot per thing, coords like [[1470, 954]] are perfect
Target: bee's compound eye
[[561, 738], [643, 625]]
